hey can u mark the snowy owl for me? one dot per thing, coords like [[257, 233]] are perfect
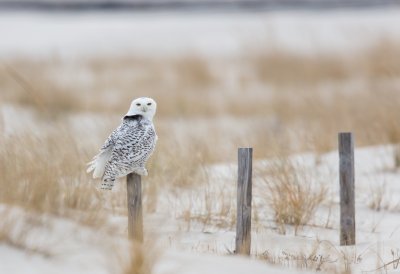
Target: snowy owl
[[129, 146]]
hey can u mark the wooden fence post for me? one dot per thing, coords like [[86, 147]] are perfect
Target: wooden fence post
[[243, 225], [135, 215], [347, 199]]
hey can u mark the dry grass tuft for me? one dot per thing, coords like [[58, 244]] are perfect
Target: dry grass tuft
[[292, 194], [46, 175], [377, 198], [322, 257], [142, 259], [380, 198]]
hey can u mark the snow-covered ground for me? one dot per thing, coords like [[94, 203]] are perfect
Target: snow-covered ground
[[216, 34], [196, 245], [65, 247]]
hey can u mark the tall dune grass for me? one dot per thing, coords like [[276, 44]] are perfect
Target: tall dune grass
[[207, 108], [292, 193], [45, 174], [272, 102], [304, 100]]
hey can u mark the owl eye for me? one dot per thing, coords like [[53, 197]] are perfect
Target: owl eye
[[149, 104], [138, 104]]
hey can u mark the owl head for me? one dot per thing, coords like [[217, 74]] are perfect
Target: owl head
[[143, 106]]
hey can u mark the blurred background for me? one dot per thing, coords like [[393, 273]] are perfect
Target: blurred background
[[246, 72], [281, 76]]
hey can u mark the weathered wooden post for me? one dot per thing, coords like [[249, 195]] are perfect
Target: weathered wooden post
[[243, 225], [135, 214], [347, 199]]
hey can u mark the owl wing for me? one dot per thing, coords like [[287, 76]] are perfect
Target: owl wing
[[131, 150], [98, 163]]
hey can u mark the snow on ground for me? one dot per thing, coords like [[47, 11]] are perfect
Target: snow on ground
[[203, 249], [192, 246], [378, 232], [208, 241], [216, 34], [47, 244], [200, 264], [61, 246]]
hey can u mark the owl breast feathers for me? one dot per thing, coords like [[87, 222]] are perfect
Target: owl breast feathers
[[126, 150]]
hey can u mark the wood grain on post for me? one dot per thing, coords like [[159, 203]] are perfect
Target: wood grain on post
[[243, 225], [347, 195], [135, 215]]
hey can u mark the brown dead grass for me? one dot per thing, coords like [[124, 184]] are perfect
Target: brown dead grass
[[321, 257], [292, 194], [45, 174], [207, 108], [304, 100], [141, 259]]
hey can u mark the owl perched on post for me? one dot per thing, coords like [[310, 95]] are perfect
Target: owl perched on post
[[129, 146]]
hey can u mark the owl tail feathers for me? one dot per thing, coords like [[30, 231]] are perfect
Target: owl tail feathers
[[98, 164]]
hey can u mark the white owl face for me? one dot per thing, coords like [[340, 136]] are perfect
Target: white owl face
[[143, 106]]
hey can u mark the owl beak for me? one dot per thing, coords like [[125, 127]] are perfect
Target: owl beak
[[144, 108]]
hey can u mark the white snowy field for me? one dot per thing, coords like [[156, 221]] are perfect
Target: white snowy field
[[174, 244], [192, 229], [287, 82], [216, 34]]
